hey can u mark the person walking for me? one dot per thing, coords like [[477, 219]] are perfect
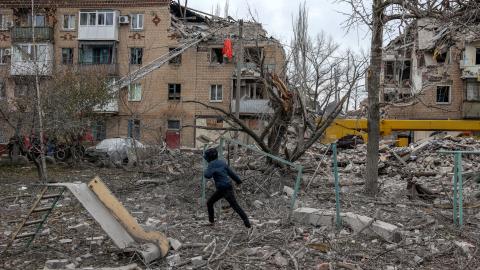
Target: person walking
[[221, 174]]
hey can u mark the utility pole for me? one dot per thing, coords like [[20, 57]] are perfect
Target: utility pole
[[239, 74], [34, 54]]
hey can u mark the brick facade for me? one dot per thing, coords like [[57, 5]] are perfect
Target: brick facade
[[195, 73]]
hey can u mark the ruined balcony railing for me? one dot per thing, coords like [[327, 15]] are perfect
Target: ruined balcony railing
[[253, 106], [107, 69], [25, 34]]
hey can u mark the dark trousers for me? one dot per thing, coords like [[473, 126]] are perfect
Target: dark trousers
[[228, 195]]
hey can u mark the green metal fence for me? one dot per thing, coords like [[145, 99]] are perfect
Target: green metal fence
[[458, 185]]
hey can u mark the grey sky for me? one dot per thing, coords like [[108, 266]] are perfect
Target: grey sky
[[276, 16]]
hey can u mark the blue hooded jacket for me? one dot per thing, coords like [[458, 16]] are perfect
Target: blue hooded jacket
[[220, 172]]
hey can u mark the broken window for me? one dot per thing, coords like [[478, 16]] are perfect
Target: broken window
[[177, 60], [134, 129], [477, 57], [136, 56], [174, 91], [253, 55], [21, 90], [173, 124], [443, 94], [67, 56], [4, 56], [216, 93], [396, 71], [99, 130], [215, 122], [473, 91], [216, 56], [3, 90], [441, 58], [135, 92]]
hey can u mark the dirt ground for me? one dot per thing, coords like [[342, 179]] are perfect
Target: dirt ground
[[173, 206]]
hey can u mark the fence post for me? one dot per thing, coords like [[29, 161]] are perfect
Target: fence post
[[338, 221], [297, 186]]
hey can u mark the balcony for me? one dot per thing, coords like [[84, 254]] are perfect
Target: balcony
[[25, 34], [471, 109], [98, 25], [111, 107], [253, 106], [28, 59]]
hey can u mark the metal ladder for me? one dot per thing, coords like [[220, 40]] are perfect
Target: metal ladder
[[160, 61], [37, 215]]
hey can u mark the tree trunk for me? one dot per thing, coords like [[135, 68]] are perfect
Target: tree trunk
[[371, 181]]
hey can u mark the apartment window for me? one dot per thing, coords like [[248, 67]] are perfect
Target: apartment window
[[134, 129], [3, 90], [104, 18], [443, 94], [39, 20], [473, 91], [174, 91], [99, 130], [29, 52], [135, 92], [477, 57], [4, 57], [94, 18], [215, 122], [177, 60], [253, 55], [67, 56], [4, 22], [68, 22], [216, 56], [137, 21], [216, 93], [136, 56], [96, 54], [173, 124]]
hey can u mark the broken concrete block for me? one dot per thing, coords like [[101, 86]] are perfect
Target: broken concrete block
[[280, 260], [197, 261], [65, 241], [465, 247], [288, 190], [258, 204], [174, 243], [313, 216], [384, 229], [56, 264], [173, 260]]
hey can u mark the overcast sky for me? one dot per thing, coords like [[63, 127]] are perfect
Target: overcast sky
[[276, 17]]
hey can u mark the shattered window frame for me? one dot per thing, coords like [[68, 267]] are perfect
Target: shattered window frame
[[216, 93], [67, 56], [4, 59], [216, 56], [443, 94], [173, 124], [472, 90], [177, 60], [174, 91], [136, 55], [477, 56], [135, 92]]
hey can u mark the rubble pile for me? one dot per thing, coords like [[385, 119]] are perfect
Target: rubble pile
[[392, 231]]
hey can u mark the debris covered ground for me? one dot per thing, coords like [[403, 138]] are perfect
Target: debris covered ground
[[416, 197]]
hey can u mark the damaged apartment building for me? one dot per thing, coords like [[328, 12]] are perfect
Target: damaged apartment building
[[123, 36], [431, 72]]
